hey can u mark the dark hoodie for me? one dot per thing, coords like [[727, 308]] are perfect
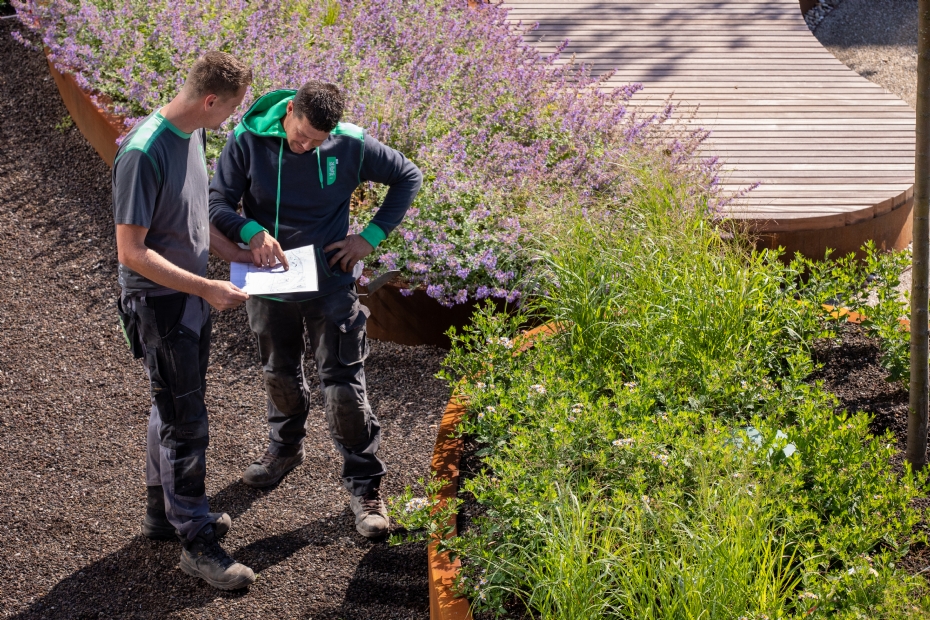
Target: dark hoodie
[[304, 199]]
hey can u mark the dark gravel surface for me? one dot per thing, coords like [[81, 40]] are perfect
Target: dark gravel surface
[[74, 407], [878, 40]]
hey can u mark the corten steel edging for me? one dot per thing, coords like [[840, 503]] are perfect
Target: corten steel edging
[[443, 603], [890, 230], [100, 128], [415, 319]]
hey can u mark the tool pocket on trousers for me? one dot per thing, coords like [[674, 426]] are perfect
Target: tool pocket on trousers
[[353, 339], [161, 393], [183, 349]]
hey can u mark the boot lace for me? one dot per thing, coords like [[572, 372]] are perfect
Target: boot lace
[[267, 459], [216, 553], [371, 501]]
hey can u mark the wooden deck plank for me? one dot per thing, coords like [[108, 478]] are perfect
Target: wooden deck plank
[[829, 147]]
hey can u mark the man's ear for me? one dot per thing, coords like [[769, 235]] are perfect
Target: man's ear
[[209, 101]]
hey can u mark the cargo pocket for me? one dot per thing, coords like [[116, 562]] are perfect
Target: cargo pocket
[[161, 393], [353, 339], [183, 353]]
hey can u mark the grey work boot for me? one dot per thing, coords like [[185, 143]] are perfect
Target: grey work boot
[[371, 518], [156, 526], [270, 468], [203, 557]]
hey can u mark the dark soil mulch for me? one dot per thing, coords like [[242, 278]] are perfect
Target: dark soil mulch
[[74, 408]]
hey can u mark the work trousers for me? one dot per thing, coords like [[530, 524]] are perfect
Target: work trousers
[[175, 333], [334, 326]]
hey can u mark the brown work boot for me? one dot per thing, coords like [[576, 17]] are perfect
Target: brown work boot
[[270, 468], [156, 526], [371, 517], [204, 558]]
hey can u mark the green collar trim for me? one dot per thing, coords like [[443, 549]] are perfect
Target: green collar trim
[[170, 125]]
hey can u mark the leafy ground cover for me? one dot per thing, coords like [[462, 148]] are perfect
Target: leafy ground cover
[[507, 139], [666, 455]]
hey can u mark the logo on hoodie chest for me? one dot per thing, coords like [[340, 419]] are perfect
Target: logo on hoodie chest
[[331, 163]]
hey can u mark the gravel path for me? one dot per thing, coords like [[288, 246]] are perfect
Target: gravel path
[[877, 39], [73, 411]]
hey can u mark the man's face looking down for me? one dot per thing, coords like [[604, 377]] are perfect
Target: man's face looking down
[[218, 109], [301, 135]]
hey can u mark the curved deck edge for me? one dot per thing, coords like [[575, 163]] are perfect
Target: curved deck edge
[[890, 230]]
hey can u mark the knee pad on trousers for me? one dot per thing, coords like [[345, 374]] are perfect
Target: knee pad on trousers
[[287, 393], [347, 414]]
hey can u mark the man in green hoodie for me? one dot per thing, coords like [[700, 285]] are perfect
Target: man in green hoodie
[[293, 167]]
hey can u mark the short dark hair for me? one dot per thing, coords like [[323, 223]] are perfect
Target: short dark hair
[[218, 73], [321, 103]]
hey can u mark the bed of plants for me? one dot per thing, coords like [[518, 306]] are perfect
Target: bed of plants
[[506, 139], [663, 456]]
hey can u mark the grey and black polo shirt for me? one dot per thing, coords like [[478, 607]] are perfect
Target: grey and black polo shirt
[[160, 181]]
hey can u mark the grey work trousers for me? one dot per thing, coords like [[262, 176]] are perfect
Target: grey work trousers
[[175, 332], [334, 325]]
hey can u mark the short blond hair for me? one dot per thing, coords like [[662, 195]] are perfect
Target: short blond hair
[[217, 73]]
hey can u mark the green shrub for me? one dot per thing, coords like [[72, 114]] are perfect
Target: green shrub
[[663, 457]]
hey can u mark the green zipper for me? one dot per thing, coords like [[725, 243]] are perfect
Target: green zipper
[[319, 168], [277, 204]]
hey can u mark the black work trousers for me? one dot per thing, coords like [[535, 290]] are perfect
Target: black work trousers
[[334, 326], [175, 332]]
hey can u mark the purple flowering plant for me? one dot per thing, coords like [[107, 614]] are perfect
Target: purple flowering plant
[[506, 138]]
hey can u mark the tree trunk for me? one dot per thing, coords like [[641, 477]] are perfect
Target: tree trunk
[[917, 416]]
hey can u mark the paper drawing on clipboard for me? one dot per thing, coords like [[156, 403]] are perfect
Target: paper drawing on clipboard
[[300, 278]]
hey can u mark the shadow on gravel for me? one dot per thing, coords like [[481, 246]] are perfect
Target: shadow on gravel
[[389, 580], [142, 579]]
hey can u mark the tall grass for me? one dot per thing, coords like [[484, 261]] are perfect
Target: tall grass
[[653, 292], [663, 457]]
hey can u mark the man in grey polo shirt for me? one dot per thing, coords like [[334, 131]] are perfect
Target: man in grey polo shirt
[[163, 237]]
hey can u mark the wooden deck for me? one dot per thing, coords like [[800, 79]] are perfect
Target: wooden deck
[[834, 152]]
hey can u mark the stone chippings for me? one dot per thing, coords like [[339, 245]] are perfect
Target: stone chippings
[[73, 413], [818, 12], [878, 40]]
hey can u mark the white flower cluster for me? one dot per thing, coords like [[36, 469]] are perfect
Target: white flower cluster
[[808, 595], [505, 342], [622, 443], [417, 503], [538, 389], [630, 385], [659, 456]]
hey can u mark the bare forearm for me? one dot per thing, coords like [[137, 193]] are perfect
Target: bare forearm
[[153, 266], [221, 246]]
